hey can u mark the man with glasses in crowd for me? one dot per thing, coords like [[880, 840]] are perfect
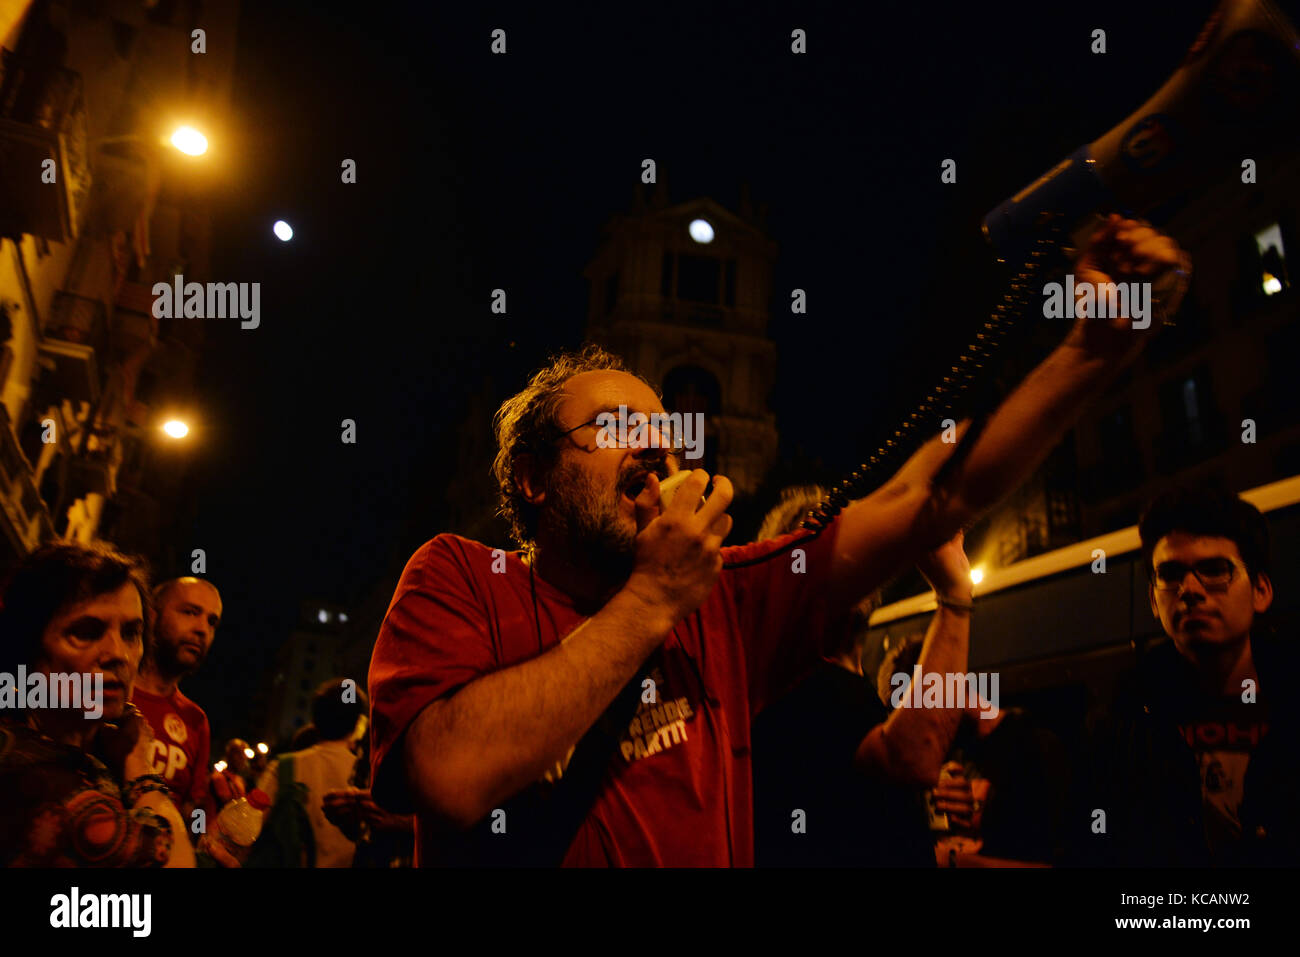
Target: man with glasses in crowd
[[1194, 763]]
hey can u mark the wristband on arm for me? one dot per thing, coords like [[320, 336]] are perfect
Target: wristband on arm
[[137, 788], [966, 606]]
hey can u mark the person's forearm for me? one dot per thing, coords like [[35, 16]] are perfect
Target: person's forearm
[[910, 747], [911, 514], [1021, 433], [467, 753]]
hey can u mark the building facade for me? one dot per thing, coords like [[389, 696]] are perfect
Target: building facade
[[682, 293], [1211, 398], [309, 657], [95, 207]]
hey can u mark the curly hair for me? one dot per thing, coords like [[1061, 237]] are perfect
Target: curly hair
[[796, 502], [55, 577], [528, 423]]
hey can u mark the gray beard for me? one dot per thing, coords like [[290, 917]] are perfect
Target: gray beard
[[589, 519]]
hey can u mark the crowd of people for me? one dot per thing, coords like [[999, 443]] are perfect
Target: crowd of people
[[134, 785], [623, 689]]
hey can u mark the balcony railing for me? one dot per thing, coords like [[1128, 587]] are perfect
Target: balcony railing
[[42, 118], [134, 327], [76, 346], [78, 319]]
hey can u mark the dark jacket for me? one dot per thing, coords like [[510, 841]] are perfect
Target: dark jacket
[[1142, 773]]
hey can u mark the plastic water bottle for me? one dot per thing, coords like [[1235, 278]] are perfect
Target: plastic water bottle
[[239, 824]]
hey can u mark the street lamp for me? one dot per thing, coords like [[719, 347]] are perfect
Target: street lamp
[[190, 141], [176, 428], [186, 139]]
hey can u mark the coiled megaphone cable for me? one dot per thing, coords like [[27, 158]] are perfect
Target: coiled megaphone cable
[[942, 401]]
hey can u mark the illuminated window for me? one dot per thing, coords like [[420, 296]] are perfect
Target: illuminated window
[[1272, 258]]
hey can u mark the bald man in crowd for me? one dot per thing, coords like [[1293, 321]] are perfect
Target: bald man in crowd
[[187, 613]]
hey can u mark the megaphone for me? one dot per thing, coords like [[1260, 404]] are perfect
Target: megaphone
[[1234, 93], [1233, 97]]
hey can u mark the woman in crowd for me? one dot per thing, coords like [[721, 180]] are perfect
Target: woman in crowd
[[77, 787]]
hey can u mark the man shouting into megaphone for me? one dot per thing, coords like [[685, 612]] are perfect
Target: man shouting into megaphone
[[494, 672]]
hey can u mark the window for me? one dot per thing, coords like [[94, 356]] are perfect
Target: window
[[1272, 258], [1116, 431], [698, 278], [689, 390], [1187, 403], [1262, 274], [1192, 411], [1192, 428]]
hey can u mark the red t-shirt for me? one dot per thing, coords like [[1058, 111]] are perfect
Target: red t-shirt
[[181, 747], [680, 789]]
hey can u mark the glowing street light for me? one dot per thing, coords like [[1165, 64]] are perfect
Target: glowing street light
[[976, 575], [219, 766], [283, 231], [248, 753], [262, 748], [190, 141], [701, 231], [176, 428]]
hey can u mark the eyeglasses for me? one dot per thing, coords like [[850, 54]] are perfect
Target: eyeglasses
[[1214, 574], [616, 430]]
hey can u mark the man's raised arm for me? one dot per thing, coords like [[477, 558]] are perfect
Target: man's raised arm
[[912, 513]]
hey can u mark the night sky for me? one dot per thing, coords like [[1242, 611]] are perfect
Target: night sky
[[477, 171]]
